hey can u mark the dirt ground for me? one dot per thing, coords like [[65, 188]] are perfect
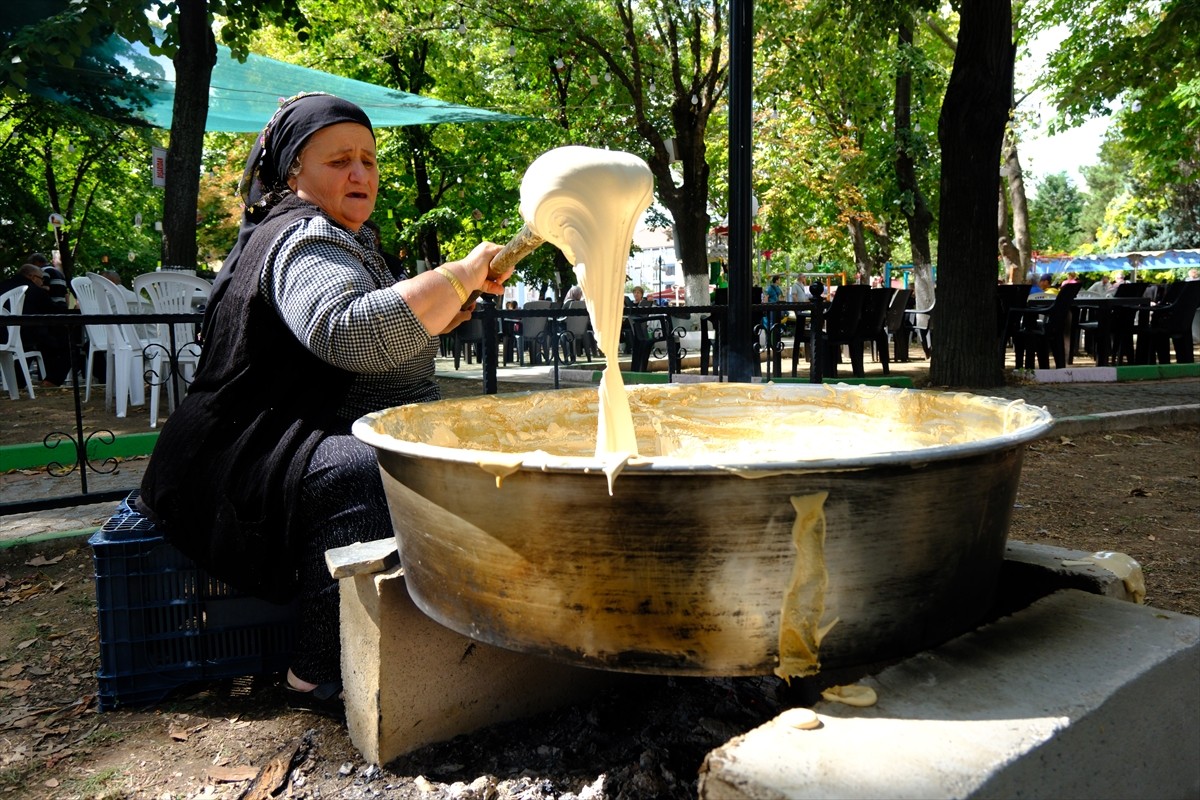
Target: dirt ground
[[1136, 492]]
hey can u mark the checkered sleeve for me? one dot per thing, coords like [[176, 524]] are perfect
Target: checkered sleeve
[[335, 293]]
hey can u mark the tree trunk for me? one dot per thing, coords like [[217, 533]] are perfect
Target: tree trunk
[[428, 245], [1008, 252], [1020, 206], [971, 132], [687, 202], [862, 261], [916, 210], [193, 72]]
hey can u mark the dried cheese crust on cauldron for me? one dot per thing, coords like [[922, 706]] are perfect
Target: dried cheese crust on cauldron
[[799, 631]]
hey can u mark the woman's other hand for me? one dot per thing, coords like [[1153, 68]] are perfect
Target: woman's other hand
[[459, 319]]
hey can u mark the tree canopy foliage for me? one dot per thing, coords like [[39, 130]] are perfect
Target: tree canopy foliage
[[847, 102], [1143, 60], [1054, 214]]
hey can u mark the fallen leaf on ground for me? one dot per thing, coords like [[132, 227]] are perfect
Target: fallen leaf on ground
[[26, 643], [42, 561]]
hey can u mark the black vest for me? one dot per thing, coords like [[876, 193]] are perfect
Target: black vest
[[224, 478]]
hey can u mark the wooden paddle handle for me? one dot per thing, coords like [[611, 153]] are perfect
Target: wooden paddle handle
[[521, 245]]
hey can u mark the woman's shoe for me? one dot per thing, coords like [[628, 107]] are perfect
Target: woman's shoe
[[325, 699]]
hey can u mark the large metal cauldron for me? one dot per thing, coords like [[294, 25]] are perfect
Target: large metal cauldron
[[713, 555]]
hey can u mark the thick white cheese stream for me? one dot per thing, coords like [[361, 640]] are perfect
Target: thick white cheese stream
[[586, 202]]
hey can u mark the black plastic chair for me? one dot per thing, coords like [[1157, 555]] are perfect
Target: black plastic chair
[[1171, 324], [895, 325], [577, 338], [468, 341], [1125, 322], [533, 335], [843, 326], [1046, 332], [1010, 303], [874, 324]]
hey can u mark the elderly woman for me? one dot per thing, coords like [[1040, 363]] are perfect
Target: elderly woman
[[256, 474]]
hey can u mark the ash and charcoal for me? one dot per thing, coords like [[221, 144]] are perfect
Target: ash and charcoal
[[644, 739]]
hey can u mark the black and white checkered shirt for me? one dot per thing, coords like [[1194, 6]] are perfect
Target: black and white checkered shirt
[[334, 291]]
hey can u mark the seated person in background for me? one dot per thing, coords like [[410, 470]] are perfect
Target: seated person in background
[[1045, 285], [1116, 280], [639, 298], [56, 282], [49, 340]]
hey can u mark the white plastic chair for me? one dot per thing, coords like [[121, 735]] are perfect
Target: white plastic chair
[[125, 345], [12, 351], [172, 292], [85, 295]]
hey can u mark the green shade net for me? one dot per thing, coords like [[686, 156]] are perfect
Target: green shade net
[[242, 95]]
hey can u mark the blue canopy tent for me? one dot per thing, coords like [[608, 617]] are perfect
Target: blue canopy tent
[[1144, 260], [242, 96]]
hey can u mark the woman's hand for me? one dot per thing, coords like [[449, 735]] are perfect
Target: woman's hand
[[477, 264], [459, 319], [436, 297]]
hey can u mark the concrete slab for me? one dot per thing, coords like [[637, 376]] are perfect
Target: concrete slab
[[362, 558], [1032, 571], [409, 681], [1077, 696]]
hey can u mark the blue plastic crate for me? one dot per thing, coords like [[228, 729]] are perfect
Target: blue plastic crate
[[166, 624], [126, 505]]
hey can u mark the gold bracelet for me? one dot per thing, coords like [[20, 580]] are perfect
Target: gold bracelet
[[455, 282]]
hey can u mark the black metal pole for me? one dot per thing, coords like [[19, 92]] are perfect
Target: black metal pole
[[490, 350], [737, 341]]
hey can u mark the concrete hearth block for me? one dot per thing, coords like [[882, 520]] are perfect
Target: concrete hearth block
[[410, 682], [1076, 696]]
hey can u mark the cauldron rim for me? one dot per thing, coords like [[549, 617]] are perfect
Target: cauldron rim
[[1037, 422]]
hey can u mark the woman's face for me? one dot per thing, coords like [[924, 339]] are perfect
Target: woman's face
[[338, 173]]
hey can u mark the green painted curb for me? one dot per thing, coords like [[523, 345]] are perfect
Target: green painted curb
[[632, 378], [41, 538], [646, 377], [1154, 372], [896, 382], [36, 455]]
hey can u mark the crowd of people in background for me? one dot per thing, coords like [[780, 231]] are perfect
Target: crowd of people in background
[[47, 292]]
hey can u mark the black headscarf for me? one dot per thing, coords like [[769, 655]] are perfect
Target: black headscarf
[[264, 180]]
